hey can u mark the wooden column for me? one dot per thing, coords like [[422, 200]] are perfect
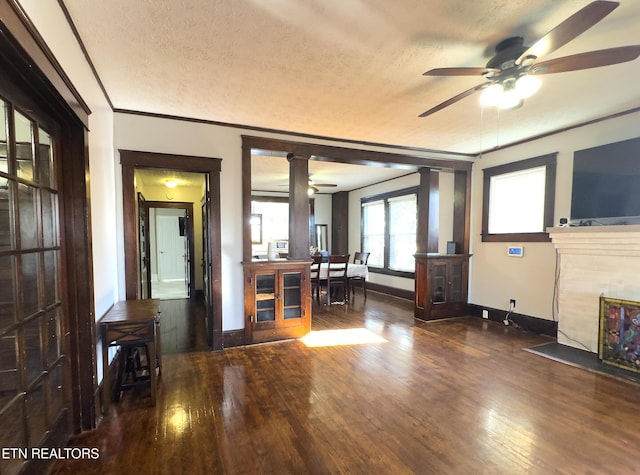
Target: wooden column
[[422, 232], [461, 199], [340, 223], [298, 207]]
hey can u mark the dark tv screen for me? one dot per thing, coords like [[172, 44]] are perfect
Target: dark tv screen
[[606, 183]]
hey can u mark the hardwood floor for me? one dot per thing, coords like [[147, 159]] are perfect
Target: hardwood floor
[[182, 326], [455, 396]]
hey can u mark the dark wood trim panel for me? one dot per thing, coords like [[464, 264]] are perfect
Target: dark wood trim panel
[[298, 207], [548, 161], [329, 153], [210, 167], [75, 204], [433, 228], [423, 221], [461, 217], [340, 223]]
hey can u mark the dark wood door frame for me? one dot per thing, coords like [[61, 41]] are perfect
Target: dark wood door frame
[[32, 72], [188, 207], [210, 167]]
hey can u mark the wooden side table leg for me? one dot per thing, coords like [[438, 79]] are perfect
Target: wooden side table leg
[[106, 381], [152, 372]]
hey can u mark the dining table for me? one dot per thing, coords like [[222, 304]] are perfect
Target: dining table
[[353, 270]]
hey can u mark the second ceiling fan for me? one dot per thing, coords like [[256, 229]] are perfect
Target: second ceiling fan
[[511, 72]]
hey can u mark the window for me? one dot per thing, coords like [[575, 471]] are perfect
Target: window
[[373, 226], [389, 232], [518, 200]]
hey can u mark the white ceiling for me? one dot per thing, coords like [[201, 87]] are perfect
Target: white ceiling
[[271, 173], [349, 69]]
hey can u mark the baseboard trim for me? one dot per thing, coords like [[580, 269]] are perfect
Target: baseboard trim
[[233, 338], [528, 323], [393, 291]]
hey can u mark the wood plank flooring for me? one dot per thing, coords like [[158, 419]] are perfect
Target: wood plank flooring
[[455, 396]]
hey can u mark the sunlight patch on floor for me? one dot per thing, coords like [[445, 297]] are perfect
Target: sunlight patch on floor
[[347, 336]]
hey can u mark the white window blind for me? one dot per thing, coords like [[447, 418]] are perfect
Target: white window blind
[[516, 201], [402, 232], [373, 224]]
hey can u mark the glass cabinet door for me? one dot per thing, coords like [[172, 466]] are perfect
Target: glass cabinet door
[[292, 301], [265, 298], [455, 282], [438, 276]]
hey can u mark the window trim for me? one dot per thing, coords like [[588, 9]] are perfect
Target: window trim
[[384, 197], [549, 162]]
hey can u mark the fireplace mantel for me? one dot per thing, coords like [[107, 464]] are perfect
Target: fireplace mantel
[[593, 261]]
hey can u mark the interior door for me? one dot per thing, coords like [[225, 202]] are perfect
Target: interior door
[[34, 379], [171, 248], [143, 241]]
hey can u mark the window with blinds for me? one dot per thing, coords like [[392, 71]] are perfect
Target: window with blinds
[[389, 224]]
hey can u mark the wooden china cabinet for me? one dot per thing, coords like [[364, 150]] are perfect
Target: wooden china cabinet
[[277, 299]]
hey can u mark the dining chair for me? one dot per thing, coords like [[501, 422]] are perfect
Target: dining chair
[[359, 258], [337, 277], [316, 282]]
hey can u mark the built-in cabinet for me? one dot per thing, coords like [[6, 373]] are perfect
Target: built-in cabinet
[[441, 285], [277, 300], [441, 280]]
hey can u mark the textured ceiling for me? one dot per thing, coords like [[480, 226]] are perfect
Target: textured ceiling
[[349, 69]]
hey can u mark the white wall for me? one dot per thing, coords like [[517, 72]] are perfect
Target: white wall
[[188, 138], [323, 214], [52, 26], [496, 278]]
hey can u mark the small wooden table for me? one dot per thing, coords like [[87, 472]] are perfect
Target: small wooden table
[[131, 322]]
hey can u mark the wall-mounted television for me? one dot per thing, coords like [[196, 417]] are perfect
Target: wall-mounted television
[[606, 184]]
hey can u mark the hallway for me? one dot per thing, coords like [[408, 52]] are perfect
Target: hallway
[[182, 326]]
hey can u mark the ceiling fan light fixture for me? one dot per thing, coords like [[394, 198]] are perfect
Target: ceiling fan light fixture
[[509, 100], [490, 97], [171, 183], [527, 85]]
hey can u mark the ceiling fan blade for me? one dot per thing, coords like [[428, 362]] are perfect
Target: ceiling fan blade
[[460, 71], [591, 59], [325, 184], [455, 99], [569, 29]]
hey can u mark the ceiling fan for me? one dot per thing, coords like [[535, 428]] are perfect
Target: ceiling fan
[[511, 73], [314, 187]]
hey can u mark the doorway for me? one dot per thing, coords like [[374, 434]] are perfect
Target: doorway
[[209, 168], [172, 252]]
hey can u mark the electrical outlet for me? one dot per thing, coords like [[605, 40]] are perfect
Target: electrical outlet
[[485, 314], [512, 304]]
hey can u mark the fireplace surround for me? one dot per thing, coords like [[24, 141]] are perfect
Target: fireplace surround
[[593, 261]]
